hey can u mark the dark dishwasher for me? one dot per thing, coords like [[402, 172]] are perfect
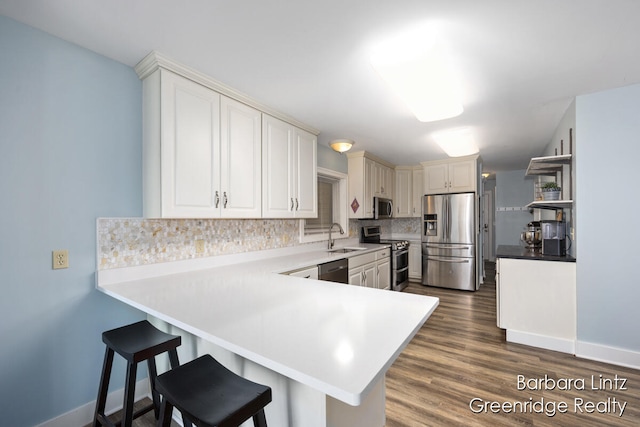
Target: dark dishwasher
[[334, 271]]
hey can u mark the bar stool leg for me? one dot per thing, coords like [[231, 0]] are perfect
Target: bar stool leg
[[153, 373], [166, 410], [129, 394], [259, 420], [104, 386]]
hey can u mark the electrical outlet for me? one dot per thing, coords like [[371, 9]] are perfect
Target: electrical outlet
[[60, 259], [199, 246]]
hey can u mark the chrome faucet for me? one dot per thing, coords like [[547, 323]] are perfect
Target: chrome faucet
[[330, 239]]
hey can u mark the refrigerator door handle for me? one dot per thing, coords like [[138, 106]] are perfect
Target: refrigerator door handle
[[450, 260], [437, 246]]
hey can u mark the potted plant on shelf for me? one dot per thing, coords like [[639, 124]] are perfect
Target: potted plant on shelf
[[550, 191]]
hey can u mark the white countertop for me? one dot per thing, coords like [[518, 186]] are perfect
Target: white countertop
[[336, 338]]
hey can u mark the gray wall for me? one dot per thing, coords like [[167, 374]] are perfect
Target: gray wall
[[608, 283], [70, 144], [329, 159], [513, 190]]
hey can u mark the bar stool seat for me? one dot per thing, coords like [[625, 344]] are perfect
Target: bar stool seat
[[135, 343], [208, 394]]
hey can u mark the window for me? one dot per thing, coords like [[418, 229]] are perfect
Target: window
[[332, 207]]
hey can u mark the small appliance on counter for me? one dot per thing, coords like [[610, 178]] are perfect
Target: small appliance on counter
[[532, 236], [554, 238]]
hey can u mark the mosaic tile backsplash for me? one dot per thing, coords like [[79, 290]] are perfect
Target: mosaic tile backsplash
[[128, 242]]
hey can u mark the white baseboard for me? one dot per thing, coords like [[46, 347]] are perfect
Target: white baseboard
[[550, 343], [607, 354], [84, 414]]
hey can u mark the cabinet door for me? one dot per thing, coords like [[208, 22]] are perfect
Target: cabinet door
[[384, 274], [462, 176], [356, 276], [415, 260], [436, 179], [241, 160], [277, 179], [403, 198], [370, 275], [387, 182], [369, 184], [305, 174], [189, 148], [417, 193]]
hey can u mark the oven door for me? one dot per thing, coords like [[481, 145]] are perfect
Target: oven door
[[400, 259], [399, 269], [399, 279]]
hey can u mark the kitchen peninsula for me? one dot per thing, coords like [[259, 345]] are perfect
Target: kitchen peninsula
[[323, 347]]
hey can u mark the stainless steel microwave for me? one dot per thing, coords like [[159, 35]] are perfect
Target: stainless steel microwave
[[382, 208]]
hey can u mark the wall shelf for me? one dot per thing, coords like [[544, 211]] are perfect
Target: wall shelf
[[551, 204], [549, 165]]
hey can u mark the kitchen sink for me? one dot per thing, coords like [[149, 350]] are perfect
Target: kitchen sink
[[345, 250]]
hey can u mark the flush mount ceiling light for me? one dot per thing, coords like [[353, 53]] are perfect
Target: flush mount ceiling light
[[456, 142], [341, 145], [416, 67]]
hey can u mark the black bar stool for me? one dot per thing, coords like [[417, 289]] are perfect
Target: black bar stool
[[136, 343], [210, 395]]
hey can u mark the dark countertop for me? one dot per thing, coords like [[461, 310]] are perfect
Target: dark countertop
[[520, 252]]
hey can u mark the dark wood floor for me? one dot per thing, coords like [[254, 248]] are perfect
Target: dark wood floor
[[460, 355]]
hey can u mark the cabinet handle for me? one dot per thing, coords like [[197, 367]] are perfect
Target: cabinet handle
[[291, 203], [225, 199], [297, 203], [217, 199]]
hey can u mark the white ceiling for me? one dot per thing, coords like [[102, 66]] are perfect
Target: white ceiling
[[521, 62]]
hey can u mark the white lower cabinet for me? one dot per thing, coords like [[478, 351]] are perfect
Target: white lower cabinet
[[415, 260], [536, 302], [383, 271], [305, 273], [372, 269]]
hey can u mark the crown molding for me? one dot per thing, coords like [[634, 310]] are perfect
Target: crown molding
[[155, 60]]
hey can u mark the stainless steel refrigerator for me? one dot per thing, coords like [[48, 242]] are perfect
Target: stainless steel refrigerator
[[449, 241]]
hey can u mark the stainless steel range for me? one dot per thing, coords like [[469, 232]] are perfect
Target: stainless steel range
[[399, 255]]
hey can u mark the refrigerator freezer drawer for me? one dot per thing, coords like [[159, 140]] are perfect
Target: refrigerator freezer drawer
[[448, 250], [449, 272]]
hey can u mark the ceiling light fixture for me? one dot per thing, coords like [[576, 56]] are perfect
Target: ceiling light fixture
[[456, 142], [341, 145], [416, 67]]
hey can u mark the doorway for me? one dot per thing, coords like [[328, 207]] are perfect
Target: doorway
[[488, 250]]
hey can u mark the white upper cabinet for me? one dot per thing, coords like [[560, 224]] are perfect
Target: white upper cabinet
[[181, 148], [289, 172], [382, 181], [451, 176], [203, 151], [241, 160], [306, 168], [407, 199], [369, 177], [403, 199]]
